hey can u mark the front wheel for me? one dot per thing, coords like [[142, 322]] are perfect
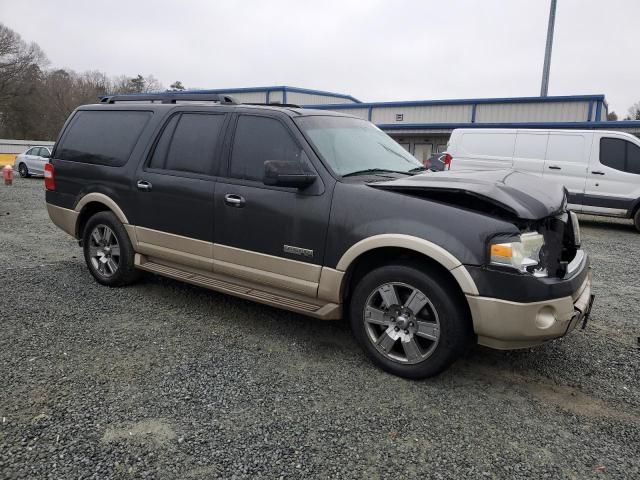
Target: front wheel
[[108, 251], [23, 170], [408, 322], [636, 219]]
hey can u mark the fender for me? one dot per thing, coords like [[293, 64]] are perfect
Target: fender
[[105, 200], [331, 281]]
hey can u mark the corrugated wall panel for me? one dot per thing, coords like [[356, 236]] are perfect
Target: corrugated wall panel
[[310, 99], [250, 97], [358, 112], [423, 114], [276, 96], [532, 112]]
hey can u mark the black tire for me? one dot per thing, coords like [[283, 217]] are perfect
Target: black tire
[[455, 331], [23, 171], [636, 219], [125, 273]]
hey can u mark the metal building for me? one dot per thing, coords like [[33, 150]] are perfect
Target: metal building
[[423, 127]]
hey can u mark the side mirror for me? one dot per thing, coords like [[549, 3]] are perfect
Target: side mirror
[[287, 174]]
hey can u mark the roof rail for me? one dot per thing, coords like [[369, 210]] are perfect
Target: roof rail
[[170, 97], [273, 104]]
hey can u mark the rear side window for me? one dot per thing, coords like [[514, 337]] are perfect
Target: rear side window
[[102, 137], [620, 155], [188, 143], [258, 139]]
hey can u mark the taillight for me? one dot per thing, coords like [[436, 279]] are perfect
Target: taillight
[[49, 180], [447, 160]]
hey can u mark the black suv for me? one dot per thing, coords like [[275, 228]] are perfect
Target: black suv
[[322, 214]]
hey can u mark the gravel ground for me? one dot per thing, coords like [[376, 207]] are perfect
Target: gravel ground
[[167, 380]]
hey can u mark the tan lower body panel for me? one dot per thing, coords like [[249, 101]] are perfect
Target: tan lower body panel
[[506, 325], [174, 248], [242, 288], [63, 218], [291, 275]]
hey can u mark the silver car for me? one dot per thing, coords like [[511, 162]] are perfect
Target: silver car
[[32, 161]]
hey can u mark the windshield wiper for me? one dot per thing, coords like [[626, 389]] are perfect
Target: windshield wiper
[[373, 171], [418, 169]]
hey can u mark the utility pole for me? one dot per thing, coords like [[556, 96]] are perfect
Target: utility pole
[[547, 52]]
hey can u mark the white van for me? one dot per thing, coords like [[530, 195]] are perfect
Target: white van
[[600, 169]]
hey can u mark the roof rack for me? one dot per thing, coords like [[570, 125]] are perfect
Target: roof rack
[[274, 104], [170, 97]]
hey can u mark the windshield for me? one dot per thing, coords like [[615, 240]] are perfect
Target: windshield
[[352, 146]]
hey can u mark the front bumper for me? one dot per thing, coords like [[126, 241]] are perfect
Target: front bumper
[[506, 324]]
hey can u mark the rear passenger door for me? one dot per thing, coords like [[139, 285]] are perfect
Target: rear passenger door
[[174, 190], [37, 164], [265, 234], [29, 158], [566, 163]]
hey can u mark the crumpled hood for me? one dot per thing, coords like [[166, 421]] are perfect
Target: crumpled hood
[[526, 196]]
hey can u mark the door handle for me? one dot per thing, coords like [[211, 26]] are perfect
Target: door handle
[[554, 167], [234, 200], [597, 172], [143, 185]]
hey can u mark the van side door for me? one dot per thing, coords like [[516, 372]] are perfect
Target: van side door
[[482, 149], [265, 234], [613, 181], [566, 163], [530, 151]]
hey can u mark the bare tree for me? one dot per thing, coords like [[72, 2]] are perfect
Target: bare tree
[[17, 59], [634, 112], [177, 86], [35, 102]]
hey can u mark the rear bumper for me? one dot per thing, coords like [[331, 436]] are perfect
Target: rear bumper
[[506, 325]]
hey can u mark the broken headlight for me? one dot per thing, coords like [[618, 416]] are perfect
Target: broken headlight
[[522, 254]]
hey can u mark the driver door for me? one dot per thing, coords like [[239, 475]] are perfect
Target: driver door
[[267, 234]]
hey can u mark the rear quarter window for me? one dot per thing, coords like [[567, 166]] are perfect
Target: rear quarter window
[[102, 137]]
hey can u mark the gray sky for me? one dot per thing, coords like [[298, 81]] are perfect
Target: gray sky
[[373, 50]]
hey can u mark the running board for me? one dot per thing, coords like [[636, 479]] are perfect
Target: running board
[[329, 311]]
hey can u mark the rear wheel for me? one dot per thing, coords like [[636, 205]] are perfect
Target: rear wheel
[[636, 219], [23, 171], [407, 321], [108, 251]]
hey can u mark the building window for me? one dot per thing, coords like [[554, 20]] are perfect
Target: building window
[[399, 117]]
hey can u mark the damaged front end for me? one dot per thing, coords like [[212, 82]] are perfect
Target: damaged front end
[[535, 283]]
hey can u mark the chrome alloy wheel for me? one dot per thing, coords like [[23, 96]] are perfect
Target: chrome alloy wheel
[[402, 323], [104, 251]]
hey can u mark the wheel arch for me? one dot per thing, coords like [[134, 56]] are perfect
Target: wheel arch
[[93, 203], [386, 248]]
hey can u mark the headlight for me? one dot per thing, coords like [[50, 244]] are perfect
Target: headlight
[[523, 255]]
